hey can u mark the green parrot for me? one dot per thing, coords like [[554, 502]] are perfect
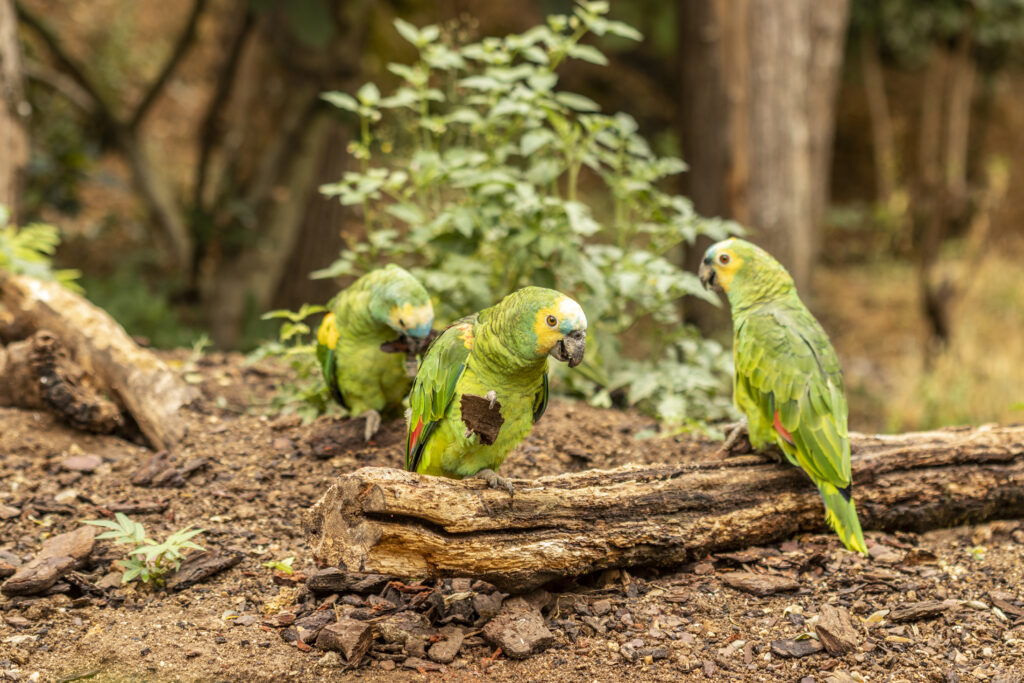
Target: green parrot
[[788, 382], [385, 311], [483, 383]]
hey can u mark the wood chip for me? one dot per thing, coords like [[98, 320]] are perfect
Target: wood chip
[[795, 648], [201, 566], [917, 611], [835, 631], [760, 584], [481, 418]]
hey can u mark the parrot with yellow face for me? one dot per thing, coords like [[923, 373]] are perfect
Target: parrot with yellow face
[[788, 383], [383, 311], [483, 383]]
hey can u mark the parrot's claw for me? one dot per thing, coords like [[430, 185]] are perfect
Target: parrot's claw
[[372, 423], [737, 440], [496, 482], [492, 396]]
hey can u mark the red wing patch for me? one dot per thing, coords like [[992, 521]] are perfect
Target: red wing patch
[[783, 432], [416, 434]]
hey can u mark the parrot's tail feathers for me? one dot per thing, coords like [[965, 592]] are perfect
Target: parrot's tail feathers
[[841, 515]]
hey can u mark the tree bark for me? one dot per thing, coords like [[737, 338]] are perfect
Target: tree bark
[[13, 137], [759, 143], [134, 377], [393, 522], [37, 373]]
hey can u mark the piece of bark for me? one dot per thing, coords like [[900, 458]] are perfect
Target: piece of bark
[[760, 584], [349, 637], [38, 373], [795, 648], [135, 378], [928, 609], [408, 525], [481, 417], [519, 630], [59, 555], [835, 631], [445, 651], [201, 566], [37, 576]]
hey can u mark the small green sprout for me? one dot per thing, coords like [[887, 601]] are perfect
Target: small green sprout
[[148, 560]]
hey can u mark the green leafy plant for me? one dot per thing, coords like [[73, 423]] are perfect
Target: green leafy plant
[[29, 251], [284, 565], [148, 560], [305, 394], [482, 176]]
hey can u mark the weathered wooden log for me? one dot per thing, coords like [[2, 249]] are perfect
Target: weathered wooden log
[[135, 378], [389, 521], [37, 373]]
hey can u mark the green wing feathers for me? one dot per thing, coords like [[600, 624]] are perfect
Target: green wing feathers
[[434, 386], [841, 515], [788, 372]]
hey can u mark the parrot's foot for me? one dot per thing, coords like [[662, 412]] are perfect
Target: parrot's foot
[[492, 398], [496, 482], [372, 423], [737, 440]]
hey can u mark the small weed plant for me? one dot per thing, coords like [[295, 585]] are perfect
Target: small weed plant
[[147, 561], [29, 251]]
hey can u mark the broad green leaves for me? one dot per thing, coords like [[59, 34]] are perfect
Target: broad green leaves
[[483, 176]]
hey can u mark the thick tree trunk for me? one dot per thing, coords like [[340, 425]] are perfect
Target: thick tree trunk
[[393, 522], [883, 141], [13, 138], [759, 143], [134, 377]]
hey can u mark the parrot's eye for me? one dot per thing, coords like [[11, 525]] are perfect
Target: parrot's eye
[[723, 258], [401, 322], [552, 321]]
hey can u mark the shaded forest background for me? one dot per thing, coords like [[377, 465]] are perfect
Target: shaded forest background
[[874, 147]]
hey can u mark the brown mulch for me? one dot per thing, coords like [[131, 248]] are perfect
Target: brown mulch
[[947, 605]]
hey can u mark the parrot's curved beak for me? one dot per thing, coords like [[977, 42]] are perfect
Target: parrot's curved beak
[[707, 276], [570, 348]]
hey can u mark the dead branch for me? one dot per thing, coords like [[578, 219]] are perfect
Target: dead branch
[[134, 377], [393, 522]]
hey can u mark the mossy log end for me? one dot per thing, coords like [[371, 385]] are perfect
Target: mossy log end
[[389, 521]]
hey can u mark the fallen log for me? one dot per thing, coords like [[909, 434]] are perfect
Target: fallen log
[[389, 521], [135, 378], [37, 373]]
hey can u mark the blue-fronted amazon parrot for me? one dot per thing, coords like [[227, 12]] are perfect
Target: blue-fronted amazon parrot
[[359, 342], [788, 382], [483, 383]]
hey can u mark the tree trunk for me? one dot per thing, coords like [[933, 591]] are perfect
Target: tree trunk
[[760, 80], [393, 522], [883, 142], [13, 138], [319, 239]]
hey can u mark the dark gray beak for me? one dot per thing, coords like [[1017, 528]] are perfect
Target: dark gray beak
[[570, 349], [706, 273]]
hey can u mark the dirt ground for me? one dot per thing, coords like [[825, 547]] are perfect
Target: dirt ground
[[254, 476]]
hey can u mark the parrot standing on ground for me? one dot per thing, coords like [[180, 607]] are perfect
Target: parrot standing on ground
[[378, 309], [483, 383], [788, 382]]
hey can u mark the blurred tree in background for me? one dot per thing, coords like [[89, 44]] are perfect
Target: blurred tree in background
[[872, 145]]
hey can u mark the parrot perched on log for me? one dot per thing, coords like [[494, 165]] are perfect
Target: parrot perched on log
[[483, 383], [788, 382], [383, 312]]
